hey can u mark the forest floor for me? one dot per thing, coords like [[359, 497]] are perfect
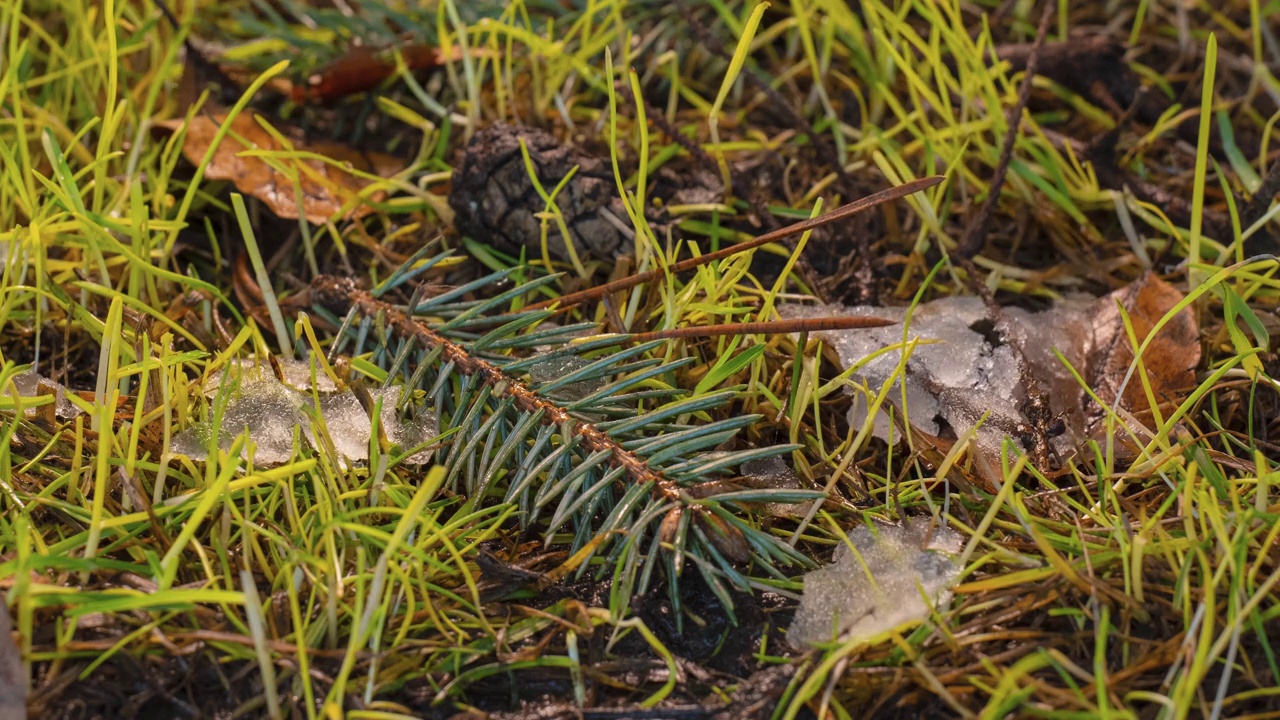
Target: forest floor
[[377, 360]]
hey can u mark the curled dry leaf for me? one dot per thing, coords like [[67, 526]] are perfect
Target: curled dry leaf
[[1169, 361], [363, 68], [326, 186], [726, 538]]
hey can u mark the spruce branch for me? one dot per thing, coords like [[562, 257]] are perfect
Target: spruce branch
[[339, 293], [624, 459]]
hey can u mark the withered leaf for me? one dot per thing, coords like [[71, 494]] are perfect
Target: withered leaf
[[670, 525], [726, 538], [1169, 361], [363, 68], [326, 187]]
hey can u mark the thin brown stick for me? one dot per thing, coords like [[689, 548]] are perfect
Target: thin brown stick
[[572, 299], [767, 327], [976, 232], [342, 293]]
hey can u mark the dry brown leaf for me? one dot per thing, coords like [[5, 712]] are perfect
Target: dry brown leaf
[[363, 68], [1169, 361], [326, 187]]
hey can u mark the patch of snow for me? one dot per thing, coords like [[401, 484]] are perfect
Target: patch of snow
[[897, 574]]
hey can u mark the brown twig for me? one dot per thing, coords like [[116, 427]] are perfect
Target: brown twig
[[976, 232], [573, 299]]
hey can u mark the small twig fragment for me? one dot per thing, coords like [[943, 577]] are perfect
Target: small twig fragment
[[976, 232]]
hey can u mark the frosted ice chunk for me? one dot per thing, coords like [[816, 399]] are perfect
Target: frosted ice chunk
[[270, 410], [965, 366], [31, 384], [267, 409], [884, 585], [408, 432], [350, 429], [348, 425]]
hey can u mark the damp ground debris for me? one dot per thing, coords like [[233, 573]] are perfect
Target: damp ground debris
[[632, 359]]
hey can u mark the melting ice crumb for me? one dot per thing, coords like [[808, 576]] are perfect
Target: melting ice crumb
[[407, 432], [554, 368], [348, 425], [879, 588], [270, 410], [774, 473], [32, 385]]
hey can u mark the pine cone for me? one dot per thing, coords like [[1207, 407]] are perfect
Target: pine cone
[[495, 202]]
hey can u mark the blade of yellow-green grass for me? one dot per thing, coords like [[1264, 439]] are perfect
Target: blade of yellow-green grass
[[410, 517], [106, 396], [300, 625], [22, 575], [1139, 17], [731, 77], [258, 630], [1202, 158], [113, 109], [766, 311], [644, 234], [642, 127], [818, 71], [264, 279], [66, 180], [129, 600], [211, 495], [661, 650], [468, 67]]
